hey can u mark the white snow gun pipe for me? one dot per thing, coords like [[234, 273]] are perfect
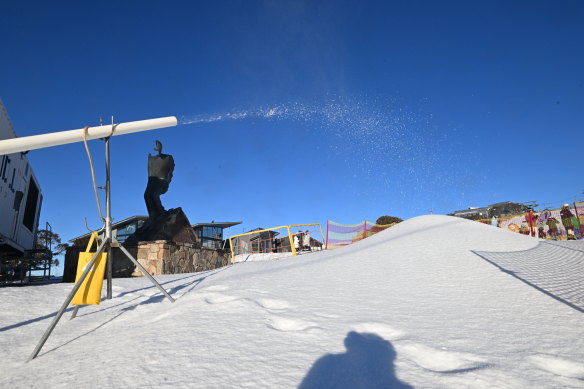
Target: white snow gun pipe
[[34, 142]]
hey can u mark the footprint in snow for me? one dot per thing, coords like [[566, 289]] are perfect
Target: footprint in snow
[[287, 324], [439, 360], [268, 304], [160, 317], [383, 330], [273, 304], [559, 366], [215, 288], [217, 298], [259, 291], [326, 315]]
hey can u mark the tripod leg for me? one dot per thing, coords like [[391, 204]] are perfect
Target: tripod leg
[[109, 267], [75, 312], [67, 302], [145, 273]]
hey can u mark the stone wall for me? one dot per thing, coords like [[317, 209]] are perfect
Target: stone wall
[[157, 257], [162, 257]]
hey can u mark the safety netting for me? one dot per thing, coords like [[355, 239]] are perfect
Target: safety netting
[[338, 235], [276, 242], [565, 223]]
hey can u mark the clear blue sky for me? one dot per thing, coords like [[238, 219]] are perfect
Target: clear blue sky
[[396, 108]]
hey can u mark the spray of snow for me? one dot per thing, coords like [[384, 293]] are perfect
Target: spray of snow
[[401, 150]]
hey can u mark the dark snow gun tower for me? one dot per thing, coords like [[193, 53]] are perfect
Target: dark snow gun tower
[[34, 142]]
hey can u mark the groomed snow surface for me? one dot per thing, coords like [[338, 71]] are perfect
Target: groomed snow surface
[[412, 306]]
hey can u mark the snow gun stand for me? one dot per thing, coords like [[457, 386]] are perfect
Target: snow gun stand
[[106, 245]]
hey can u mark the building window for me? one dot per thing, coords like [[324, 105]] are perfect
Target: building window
[[4, 157], [31, 205], [4, 168], [11, 186], [212, 232], [123, 233], [212, 244]]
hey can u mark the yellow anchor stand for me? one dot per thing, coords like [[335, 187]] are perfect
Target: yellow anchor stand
[[90, 291]]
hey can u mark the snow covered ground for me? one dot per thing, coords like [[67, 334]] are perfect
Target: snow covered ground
[[412, 306]]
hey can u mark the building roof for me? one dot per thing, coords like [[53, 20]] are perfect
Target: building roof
[[11, 134], [507, 203], [471, 211], [216, 224], [117, 225], [131, 219], [264, 234]]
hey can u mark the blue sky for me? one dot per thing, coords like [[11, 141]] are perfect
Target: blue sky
[[396, 108]]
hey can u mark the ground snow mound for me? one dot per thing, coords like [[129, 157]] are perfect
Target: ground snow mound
[[443, 233], [413, 306]]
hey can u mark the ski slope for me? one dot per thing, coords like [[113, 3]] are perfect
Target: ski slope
[[412, 306]]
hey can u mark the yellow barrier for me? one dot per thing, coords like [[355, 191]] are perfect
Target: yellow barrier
[[90, 291], [289, 233], [312, 224]]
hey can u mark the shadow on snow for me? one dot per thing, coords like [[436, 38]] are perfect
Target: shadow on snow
[[367, 363]]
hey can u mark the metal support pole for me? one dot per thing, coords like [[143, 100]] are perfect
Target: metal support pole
[[327, 230], [291, 239], [231, 249], [74, 312], [47, 333], [139, 265], [580, 228], [108, 215]]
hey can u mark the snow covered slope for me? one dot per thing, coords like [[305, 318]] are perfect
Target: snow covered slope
[[412, 306]]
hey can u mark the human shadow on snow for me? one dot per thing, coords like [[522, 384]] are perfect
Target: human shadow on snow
[[367, 363]]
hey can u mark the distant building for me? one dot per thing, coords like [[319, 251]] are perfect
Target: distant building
[[270, 241], [473, 213], [120, 231], [20, 198], [508, 208], [211, 234], [498, 210]]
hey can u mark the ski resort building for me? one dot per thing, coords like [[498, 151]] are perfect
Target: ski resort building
[[498, 209], [211, 234], [159, 257], [20, 198]]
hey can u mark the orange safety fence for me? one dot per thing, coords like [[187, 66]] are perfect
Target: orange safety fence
[[339, 235]]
